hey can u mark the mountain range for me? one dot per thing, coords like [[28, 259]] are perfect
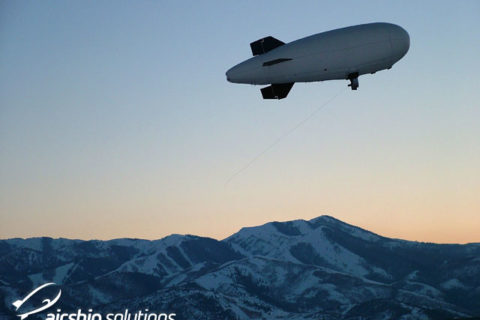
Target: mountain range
[[317, 269]]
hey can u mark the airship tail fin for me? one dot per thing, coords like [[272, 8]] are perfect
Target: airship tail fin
[[264, 45], [277, 91]]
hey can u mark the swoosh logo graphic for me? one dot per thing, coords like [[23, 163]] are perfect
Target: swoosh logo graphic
[[47, 303]]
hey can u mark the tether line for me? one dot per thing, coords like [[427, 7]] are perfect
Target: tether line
[[283, 136]]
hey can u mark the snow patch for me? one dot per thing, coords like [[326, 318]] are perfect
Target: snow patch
[[61, 273], [452, 284]]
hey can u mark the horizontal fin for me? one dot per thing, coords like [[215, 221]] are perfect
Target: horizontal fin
[[276, 91], [272, 62], [264, 45]]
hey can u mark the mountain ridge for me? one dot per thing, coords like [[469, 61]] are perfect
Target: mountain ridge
[[299, 269], [271, 222]]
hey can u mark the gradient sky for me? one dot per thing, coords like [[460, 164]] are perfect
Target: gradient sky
[[116, 121]]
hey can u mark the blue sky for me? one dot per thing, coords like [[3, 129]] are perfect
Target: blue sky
[[116, 121]]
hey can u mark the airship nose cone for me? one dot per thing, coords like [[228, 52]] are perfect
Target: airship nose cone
[[400, 41], [405, 40]]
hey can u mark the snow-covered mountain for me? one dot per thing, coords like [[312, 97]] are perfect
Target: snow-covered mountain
[[317, 269]]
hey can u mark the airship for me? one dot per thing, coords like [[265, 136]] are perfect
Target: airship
[[340, 54]]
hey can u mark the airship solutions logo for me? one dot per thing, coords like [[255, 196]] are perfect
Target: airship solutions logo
[[80, 314]]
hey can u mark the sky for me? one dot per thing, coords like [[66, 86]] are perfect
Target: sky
[[116, 120]]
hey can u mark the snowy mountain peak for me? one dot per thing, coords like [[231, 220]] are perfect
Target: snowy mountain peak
[[338, 225], [302, 228]]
